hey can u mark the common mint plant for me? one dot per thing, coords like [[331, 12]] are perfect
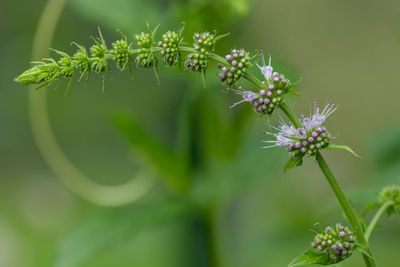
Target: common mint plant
[[303, 136]]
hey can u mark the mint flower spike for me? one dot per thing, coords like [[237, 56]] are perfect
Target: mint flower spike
[[307, 140], [391, 194]]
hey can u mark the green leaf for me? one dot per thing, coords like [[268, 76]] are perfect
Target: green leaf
[[294, 92], [219, 37], [111, 227], [347, 148], [311, 257], [371, 206], [363, 251], [291, 163], [125, 14], [170, 165]]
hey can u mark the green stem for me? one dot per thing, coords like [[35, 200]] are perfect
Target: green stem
[[376, 218], [290, 114], [347, 208]]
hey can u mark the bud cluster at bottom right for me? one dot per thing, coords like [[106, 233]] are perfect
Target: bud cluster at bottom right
[[338, 242]]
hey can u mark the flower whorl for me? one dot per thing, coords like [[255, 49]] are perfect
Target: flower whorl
[[145, 57], [338, 242], [203, 44], [170, 48], [238, 62]]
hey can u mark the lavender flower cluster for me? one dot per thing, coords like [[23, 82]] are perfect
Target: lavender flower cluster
[[338, 242], [145, 58], [238, 62], [270, 96], [170, 48], [306, 140], [203, 44]]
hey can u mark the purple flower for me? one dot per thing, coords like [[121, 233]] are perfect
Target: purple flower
[[265, 70], [248, 96]]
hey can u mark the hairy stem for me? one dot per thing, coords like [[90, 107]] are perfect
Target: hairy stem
[[347, 208], [376, 218]]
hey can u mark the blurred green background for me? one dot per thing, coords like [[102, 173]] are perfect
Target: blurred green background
[[345, 51]]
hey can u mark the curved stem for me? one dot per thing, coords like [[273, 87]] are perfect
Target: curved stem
[[376, 218], [347, 208], [50, 149]]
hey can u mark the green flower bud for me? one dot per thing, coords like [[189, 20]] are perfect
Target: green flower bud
[[338, 242], [80, 60], [170, 48], [391, 193], [121, 54], [238, 63], [145, 57], [203, 44], [98, 60]]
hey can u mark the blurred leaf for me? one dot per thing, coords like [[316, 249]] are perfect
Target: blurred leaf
[[291, 163], [124, 14], [311, 257], [386, 146], [371, 206], [112, 227], [347, 148], [169, 164], [294, 92]]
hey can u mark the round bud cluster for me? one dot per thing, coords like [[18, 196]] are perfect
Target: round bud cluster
[[80, 60], [239, 61], [203, 44], [170, 48], [145, 57], [66, 66], [98, 60], [270, 99], [308, 142], [391, 193], [338, 242], [120, 53]]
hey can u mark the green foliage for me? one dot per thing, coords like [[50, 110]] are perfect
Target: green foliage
[[292, 162], [170, 164], [111, 227], [311, 256], [346, 148]]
